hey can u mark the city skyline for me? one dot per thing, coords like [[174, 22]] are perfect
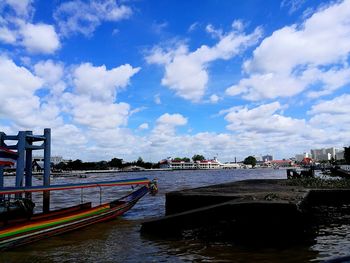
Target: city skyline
[[168, 78]]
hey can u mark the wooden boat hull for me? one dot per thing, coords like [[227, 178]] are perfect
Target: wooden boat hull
[[41, 226]]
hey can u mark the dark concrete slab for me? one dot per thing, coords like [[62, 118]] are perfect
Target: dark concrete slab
[[246, 210], [248, 190]]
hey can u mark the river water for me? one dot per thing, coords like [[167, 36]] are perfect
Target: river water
[[119, 240]]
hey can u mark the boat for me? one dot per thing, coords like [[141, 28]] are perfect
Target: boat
[[16, 232]]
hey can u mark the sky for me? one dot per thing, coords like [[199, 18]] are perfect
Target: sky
[[158, 79]]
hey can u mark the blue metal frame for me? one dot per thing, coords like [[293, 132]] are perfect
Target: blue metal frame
[[25, 149]]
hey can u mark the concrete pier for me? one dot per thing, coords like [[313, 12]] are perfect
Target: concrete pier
[[250, 210]]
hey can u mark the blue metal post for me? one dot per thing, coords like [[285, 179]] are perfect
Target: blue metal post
[[29, 160], [47, 167], [21, 144], [1, 168]]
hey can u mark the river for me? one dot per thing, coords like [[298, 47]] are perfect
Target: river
[[119, 240]]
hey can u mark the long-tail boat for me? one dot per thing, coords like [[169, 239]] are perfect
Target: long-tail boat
[[17, 231]]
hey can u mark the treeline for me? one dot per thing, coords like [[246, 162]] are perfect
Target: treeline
[[114, 163], [196, 157]]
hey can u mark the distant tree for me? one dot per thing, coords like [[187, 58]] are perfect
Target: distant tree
[[198, 157], [250, 160], [102, 165], [139, 162], [76, 165], [61, 166], [347, 155], [116, 162], [179, 159], [156, 165]]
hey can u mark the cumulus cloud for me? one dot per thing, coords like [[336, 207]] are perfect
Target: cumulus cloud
[[263, 119], [96, 114], [338, 105], [333, 117], [292, 58], [7, 36], [20, 104], [92, 101], [75, 116], [85, 16], [40, 38], [186, 72], [22, 8], [100, 83], [167, 123], [17, 29], [53, 75]]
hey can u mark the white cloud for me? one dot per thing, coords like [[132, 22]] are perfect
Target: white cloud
[[262, 119], [92, 101], [186, 72], [19, 102], [85, 16], [16, 28], [53, 75], [266, 86], [50, 71], [214, 98], [167, 123], [292, 58], [96, 114], [22, 8], [16, 81], [40, 38], [338, 105], [158, 28], [171, 119], [157, 99], [215, 33], [193, 26], [144, 126], [100, 83], [292, 5], [332, 116], [7, 36]]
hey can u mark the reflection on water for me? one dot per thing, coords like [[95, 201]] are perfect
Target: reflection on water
[[120, 240]]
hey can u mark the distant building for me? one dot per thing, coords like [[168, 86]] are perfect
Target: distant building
[[300, 157], [54, 159], [258, 158], [339, 155], [266, 158], [324, 154], [38, 166], [204, 164]]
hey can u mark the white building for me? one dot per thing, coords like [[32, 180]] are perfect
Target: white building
[[53, 159], [205, 164], [324, 154]]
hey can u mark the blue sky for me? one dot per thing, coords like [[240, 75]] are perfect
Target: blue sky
[[177, 78]]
